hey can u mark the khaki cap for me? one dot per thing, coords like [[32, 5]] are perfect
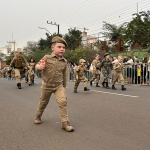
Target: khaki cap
[[19, 51], [58, 39], [82, 60]]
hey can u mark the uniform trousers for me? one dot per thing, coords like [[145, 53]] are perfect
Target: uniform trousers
[[17, 75], [79, 79], [119, 76], [97, 77], [61, 99]]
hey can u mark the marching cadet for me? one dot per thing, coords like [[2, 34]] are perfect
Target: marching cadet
[[19, 63], [29, 75], [32, 65], [118, 67], [105, 67], [54, 72], [96, 71], [80, 70]]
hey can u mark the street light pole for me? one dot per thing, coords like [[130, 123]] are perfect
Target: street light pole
[[54, 24], [45, 29]]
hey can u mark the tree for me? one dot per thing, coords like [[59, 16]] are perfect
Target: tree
[[31, 45], [114, 33], [46, 43], [138, 30], [73, 38]]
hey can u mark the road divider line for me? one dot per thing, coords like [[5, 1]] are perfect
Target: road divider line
[[116, 94]]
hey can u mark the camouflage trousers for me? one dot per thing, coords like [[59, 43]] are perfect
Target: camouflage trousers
[[104, 75], [118, 76], [78, 80], [97, 77], [61, 99], [30, 76]]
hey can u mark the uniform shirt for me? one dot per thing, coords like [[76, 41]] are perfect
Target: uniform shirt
[[96, 66], [19, 62], [106, 64], [81, 70], [130, 63], [118, 67], [55, 72]]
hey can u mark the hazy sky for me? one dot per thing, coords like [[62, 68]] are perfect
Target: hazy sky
[[20, 19]]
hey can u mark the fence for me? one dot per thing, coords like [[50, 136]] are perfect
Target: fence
[[138, 73]]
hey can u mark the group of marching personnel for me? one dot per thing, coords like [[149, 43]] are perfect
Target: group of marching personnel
[[101, 72], [54, 77], [21, 68]]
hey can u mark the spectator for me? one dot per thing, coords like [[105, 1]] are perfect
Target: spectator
[[129, 64]]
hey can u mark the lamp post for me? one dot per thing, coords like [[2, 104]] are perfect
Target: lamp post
[[45, 29], [54, 24]]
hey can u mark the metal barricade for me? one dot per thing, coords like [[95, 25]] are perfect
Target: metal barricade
[[138, 73]]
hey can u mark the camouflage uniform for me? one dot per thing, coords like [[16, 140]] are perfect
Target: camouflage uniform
[[30, 73], [96, 72], [80, 70], [19, 63], [105, 66]]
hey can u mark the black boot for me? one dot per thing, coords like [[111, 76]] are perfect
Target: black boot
[[90, 83], [75, 91], [97, 85], [103, 84], [107, 87], [123, 88], [113, 87], [19, 85], [86, 89]]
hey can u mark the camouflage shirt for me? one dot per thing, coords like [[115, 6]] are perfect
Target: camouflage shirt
[[106, 64]]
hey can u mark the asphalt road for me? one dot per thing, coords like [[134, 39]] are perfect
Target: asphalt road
[[103, 119]]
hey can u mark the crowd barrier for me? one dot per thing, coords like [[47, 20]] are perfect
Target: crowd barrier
[[138, 73]]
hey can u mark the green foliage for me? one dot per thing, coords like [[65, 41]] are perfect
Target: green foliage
[[73, 38], [138, 30], [113, 32], [140, 53], [38, 54], [46, 43], [9, 58], [80, 53]]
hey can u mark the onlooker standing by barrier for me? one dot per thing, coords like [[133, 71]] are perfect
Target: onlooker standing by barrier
[[134, 70], [143, 70], [129, 69], [148, 70]]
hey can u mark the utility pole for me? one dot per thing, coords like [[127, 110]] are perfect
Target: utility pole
[[137, 8], [10, 42], [54, 24]]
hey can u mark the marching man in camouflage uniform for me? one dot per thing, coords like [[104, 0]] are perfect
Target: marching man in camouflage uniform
[[54, 75], [19, 63], [105, 67], [118, 67], [80, 70], [96, 71]]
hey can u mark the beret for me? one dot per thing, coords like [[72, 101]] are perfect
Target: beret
[[58, 39], [82, 60]]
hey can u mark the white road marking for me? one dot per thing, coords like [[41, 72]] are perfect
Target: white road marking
[[116, 94]]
